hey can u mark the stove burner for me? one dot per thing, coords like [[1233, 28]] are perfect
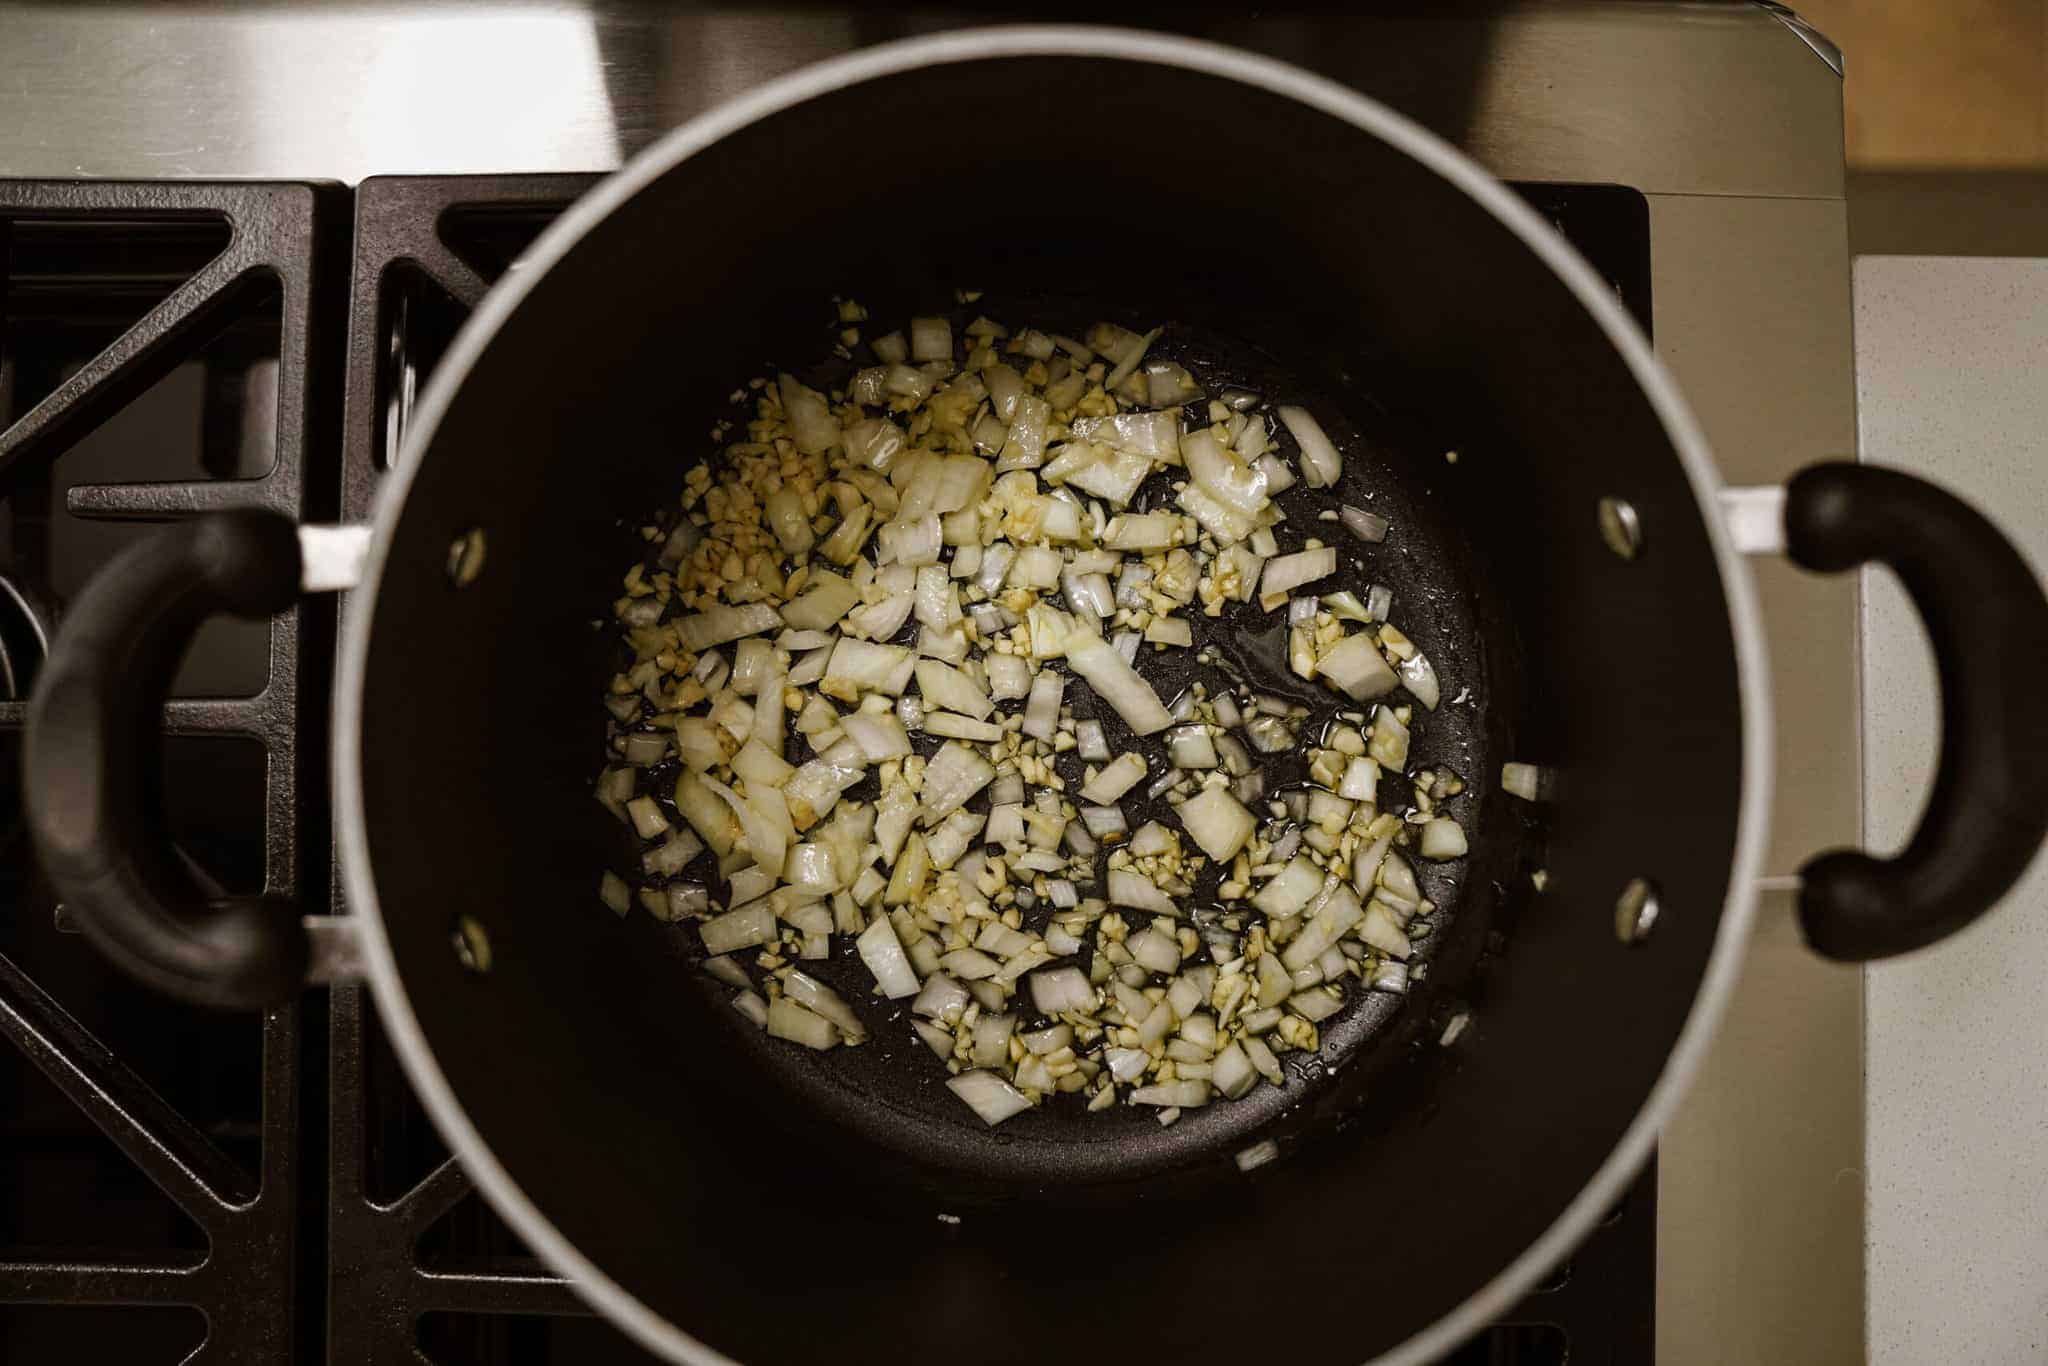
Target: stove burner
[[153, 1151]]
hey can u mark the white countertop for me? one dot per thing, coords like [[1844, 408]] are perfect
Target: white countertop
[[1951, 357]]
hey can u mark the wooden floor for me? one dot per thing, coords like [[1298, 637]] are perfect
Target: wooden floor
[[1941, 84]]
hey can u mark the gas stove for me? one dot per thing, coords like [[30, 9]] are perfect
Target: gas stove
[[228, 274]]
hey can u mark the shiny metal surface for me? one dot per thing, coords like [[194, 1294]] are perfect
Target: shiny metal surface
[[331, 557], [1823, 47], [1690, 98], [1756, 518], [1727, 117]]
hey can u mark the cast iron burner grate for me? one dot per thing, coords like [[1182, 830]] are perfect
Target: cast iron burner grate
[[111, 294], [159, 346]]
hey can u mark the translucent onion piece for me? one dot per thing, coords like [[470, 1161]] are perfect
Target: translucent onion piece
[[717, 625], [1522, 780], [1320, 464], [1137, 891], [821, 1000], [1057, 990], [1042, 710], [1356, 666], [1116, 778], [1443, 838], [1217, 822], [1418, 675], [745, 928], [1289, 572], [1118, 684], [789, 1020], [1366, 526], [988, 1095]]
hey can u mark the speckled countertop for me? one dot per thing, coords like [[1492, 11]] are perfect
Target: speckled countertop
[[1951, 355]]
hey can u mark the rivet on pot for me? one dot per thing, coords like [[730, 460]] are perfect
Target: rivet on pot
[[472, 945], [1635, 911], [466, 557], [1620, 527]]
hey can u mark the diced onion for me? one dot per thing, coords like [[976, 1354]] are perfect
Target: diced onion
[[1104, 821], [1337, 916], [1361, 781], [1390, 975], [1234, 1076], [1042, 710], [1522, 780], [1220, 473], [1137, 891], [821, 1000], [672, 855], [1182, 1094], [680, 541], [815, 428], [1057, 990], [1443, 838], [1154, 950], [988, 1095], [647, 817], [947, 687], [1366, 526], [1383, 932], [717, 625], [1119, 776], [1190, 747], [1170, 631], [914, 542], [826, 599], [1218, 823], [862, 666], [1129, 353], [1025, 446], [880, 735], [1321, 466], [750, 925], [931, 339], [764, 836], [941, 999], [1355, 665], [1289, 891], [1418, 675], [955, 727], [1289, 572], [789, 1020], [1009, 677], [1142, 531], [954, 774], [1118, 684], [1090, 743], [874, 442], [1389, 743], [1367, 862]]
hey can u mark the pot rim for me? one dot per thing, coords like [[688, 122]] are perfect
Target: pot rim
[[1608, 1183]]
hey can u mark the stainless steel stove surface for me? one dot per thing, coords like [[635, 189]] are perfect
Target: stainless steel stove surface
[[176, 334]]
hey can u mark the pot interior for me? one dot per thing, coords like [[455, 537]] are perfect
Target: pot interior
[[617, 1092]]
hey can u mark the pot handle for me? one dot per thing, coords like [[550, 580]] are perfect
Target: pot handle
[[93, 762], [1987, 621]]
